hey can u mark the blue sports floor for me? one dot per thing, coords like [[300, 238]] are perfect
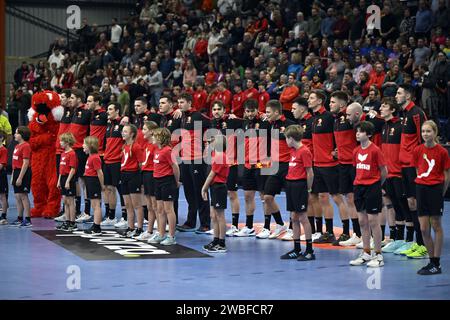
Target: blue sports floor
[[32, 267]]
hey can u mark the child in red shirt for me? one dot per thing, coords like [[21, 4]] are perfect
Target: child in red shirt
[[371, 172], [432, 163], [217, 184], [95, 183], [3, 178]]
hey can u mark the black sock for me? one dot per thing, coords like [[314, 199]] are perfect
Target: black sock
[[3, 215], [77, 205], [277, 217], [313, 225], [409, 233], [145, 209], [346, 226], [400, 232], [235, 221], [28, 219], [393, 233], [383, 231], [319, 223], [309, 247], [222, 242], [356, 227], [436, 261], [124, 213], [112, 214], [249, 221], [87, 206], [297, 245], [106, 210], [416, 223], [329, 225], [267, 221]]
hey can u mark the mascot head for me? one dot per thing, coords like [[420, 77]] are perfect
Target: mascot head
[[45, 106]]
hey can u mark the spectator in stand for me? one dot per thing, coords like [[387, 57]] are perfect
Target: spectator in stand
[[288, 95], [421, 53], [57, 57], [424, 20], [372, 101], [377, 76], [190, 73]]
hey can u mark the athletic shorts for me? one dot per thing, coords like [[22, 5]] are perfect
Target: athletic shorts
[[130, 182], [326, 179], [347, 175], [25, 187], [409, 175], [218, 193], [4, 181], [149, 183], [252, 180], [93, 188], [296, 195], [430, 201], [275, 183], [394, 190], [368, 198], [232, 180], [72, 191], [165, 188], [58, 160], [111, 172], [82, 158]]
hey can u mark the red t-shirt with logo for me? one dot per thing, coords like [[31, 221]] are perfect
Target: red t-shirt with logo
[[132, 155], [300, 160], [149, 152], [68, 161], [220, 167], [163, 161], [21, 151], [367, 162], [431, 164], [93, 164], [3, 157]]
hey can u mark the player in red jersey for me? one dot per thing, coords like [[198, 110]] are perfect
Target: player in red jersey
[[432, 163]]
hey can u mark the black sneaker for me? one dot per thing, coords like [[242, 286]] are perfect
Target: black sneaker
[[217, 249], [291, 255], [65, 226], [185, 228], [430, 269], [137, 233], [209, 246], [326, 238], [73, 226], [61, 226], [93, 231], [306, 256], [342, 237]]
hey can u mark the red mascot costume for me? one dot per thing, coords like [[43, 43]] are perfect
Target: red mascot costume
[[44, 115]]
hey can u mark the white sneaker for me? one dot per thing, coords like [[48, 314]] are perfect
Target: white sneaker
[[83, 217], [130, 233], [353, 241], [376, 262], [362, 259], [122, 224], [144, 236], [168, 241], [386, 242], [315, 236], [288, 236], [278, 231], [108, 222], [232, 231], [246, 232], [153, 236], [263, 234], [360, 245], [61, 218]]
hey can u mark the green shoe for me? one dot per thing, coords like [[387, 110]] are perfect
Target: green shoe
[[420, 253], [413, 248]]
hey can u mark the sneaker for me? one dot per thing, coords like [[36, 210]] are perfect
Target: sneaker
[[93, 231], [60, 218], [314, 237], [26, 224], [185, 228], [326, 238], [137, 233], [421, 252], [376, 262], [361, 246], [288, 236], [385, 242], [291, 255], [411, 250], [232, 231], [61, 225], [130, 233], [154, 235], [353, 241], [217, 249], [64, 226], [246, 232], [157, 239], [392, 246], [108, 222], [278, 231], [17, 223], [122, 224], [83, 217], [209, 246], [430, 269], [404, 247], [3, 222], [73, 226], [263, 234], [168, 241], [306, 256], [342, 238], [362, 259], [203, 230], [144, 236], [210, 232]]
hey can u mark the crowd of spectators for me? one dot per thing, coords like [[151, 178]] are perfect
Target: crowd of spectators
[[277, 49]]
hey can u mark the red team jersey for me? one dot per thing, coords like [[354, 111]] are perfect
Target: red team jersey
[[430, 164], [93, 164], [21, 151], [367, 162], [220, 168], [300, 160], [163, 162], [132, 155], [149, 153], [68, 161], [3, 157]]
